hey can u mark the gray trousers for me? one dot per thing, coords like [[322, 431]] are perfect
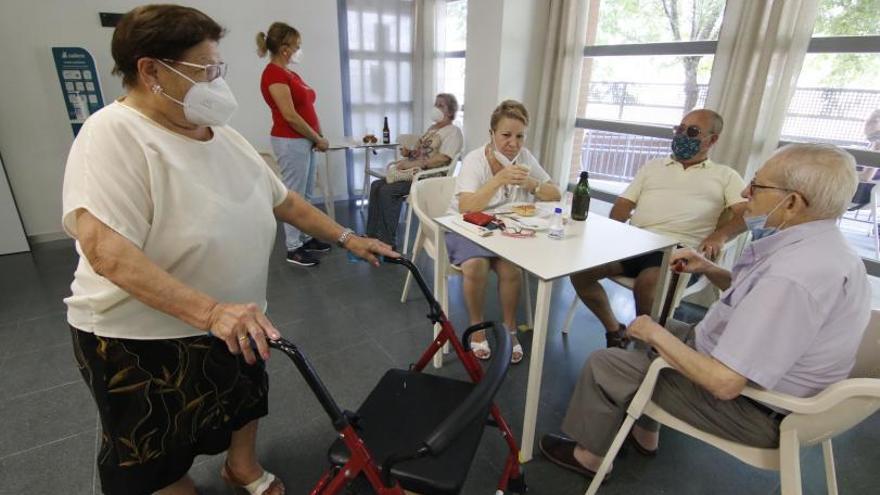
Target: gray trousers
[[383, 216], [609, 381], [297, 163]]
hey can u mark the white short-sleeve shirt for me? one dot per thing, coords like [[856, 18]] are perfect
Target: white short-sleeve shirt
[[476, 172], [683, 203], [451, 141], [447, 141], [200, 210]]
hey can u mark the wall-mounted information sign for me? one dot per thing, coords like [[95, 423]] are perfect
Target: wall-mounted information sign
[[79, 83]]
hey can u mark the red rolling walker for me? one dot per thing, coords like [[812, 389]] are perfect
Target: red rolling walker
[[415, 431]]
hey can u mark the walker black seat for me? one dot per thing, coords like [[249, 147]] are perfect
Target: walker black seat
[[402, 410]]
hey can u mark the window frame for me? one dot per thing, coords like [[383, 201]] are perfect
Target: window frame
[[823, 44], [453, 54], [670, 48], [840, 45], [346, 56]]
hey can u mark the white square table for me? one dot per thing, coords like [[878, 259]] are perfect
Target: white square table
[[323, 179], [595, 242]]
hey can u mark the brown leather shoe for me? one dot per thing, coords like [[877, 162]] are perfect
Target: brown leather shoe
[[631, 440], [559, 450]]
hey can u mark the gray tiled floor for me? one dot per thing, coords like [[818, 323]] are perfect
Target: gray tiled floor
[[348, 320]]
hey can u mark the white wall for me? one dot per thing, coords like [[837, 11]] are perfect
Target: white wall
[[35, 135], [505, 46], [12, 239]]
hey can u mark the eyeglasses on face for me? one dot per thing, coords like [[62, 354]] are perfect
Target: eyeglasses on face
[[691, 131], [212, 71], [753, 186]]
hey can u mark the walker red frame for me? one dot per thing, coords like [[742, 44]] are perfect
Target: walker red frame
[[361, 462]]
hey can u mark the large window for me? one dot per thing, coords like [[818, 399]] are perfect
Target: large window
[[451, 42], [646, 64], [837, 101], [380, 53]]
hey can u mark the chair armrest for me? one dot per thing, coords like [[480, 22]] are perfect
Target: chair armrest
[[646, 389], [377, 172], [820, 402], [429, 172]]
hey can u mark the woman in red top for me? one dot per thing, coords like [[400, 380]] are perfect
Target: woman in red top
[[296, 131]]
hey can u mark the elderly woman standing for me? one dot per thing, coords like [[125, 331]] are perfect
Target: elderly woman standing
[[174, 214], [436, 148], [296, 130], [502, 171]]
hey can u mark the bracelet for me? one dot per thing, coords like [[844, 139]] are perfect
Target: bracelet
[[343, 237]]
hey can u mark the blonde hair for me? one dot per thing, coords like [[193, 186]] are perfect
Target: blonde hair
[[277, 36], [510, 109]]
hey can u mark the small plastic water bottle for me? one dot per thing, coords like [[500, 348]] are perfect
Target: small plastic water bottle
[[557, 229]]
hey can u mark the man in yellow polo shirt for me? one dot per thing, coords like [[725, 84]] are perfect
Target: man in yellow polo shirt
[[681, 196]]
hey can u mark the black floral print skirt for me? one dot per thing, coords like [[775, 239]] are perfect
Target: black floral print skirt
[[163, 402]]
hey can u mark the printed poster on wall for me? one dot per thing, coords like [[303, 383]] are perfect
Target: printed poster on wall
[[79, 83]]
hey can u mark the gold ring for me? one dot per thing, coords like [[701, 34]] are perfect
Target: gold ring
[[243, 338]]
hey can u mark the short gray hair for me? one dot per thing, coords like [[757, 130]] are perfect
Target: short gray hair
[[824, 174], [717, 122], [451, 103]]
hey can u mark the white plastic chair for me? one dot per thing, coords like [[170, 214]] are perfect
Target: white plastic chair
[[871, 206], [812, 420], [424, 174], [407, 141], [429, 199]]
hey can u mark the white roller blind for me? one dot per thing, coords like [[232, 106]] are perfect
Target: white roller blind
[[380, 54]]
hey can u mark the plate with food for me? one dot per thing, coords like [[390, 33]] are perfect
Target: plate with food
[[527, 210]]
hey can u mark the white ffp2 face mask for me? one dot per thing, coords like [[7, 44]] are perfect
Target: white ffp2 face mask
[[295, 59], [206, 103], [436, 114]]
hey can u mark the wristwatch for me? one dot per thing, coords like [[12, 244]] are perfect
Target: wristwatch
[[537, 186], [340, 241]]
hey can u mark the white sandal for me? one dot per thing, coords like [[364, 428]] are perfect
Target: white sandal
[[257, 487], [481, 350], [516, 353]]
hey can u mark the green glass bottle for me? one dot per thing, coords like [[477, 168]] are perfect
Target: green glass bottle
[[580, 203]]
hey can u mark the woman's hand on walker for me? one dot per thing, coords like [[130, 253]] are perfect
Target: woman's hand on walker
[[237, 324], [367, 249]]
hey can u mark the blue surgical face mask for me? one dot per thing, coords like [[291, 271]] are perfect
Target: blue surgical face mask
[[757, 225], [684, 147]]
